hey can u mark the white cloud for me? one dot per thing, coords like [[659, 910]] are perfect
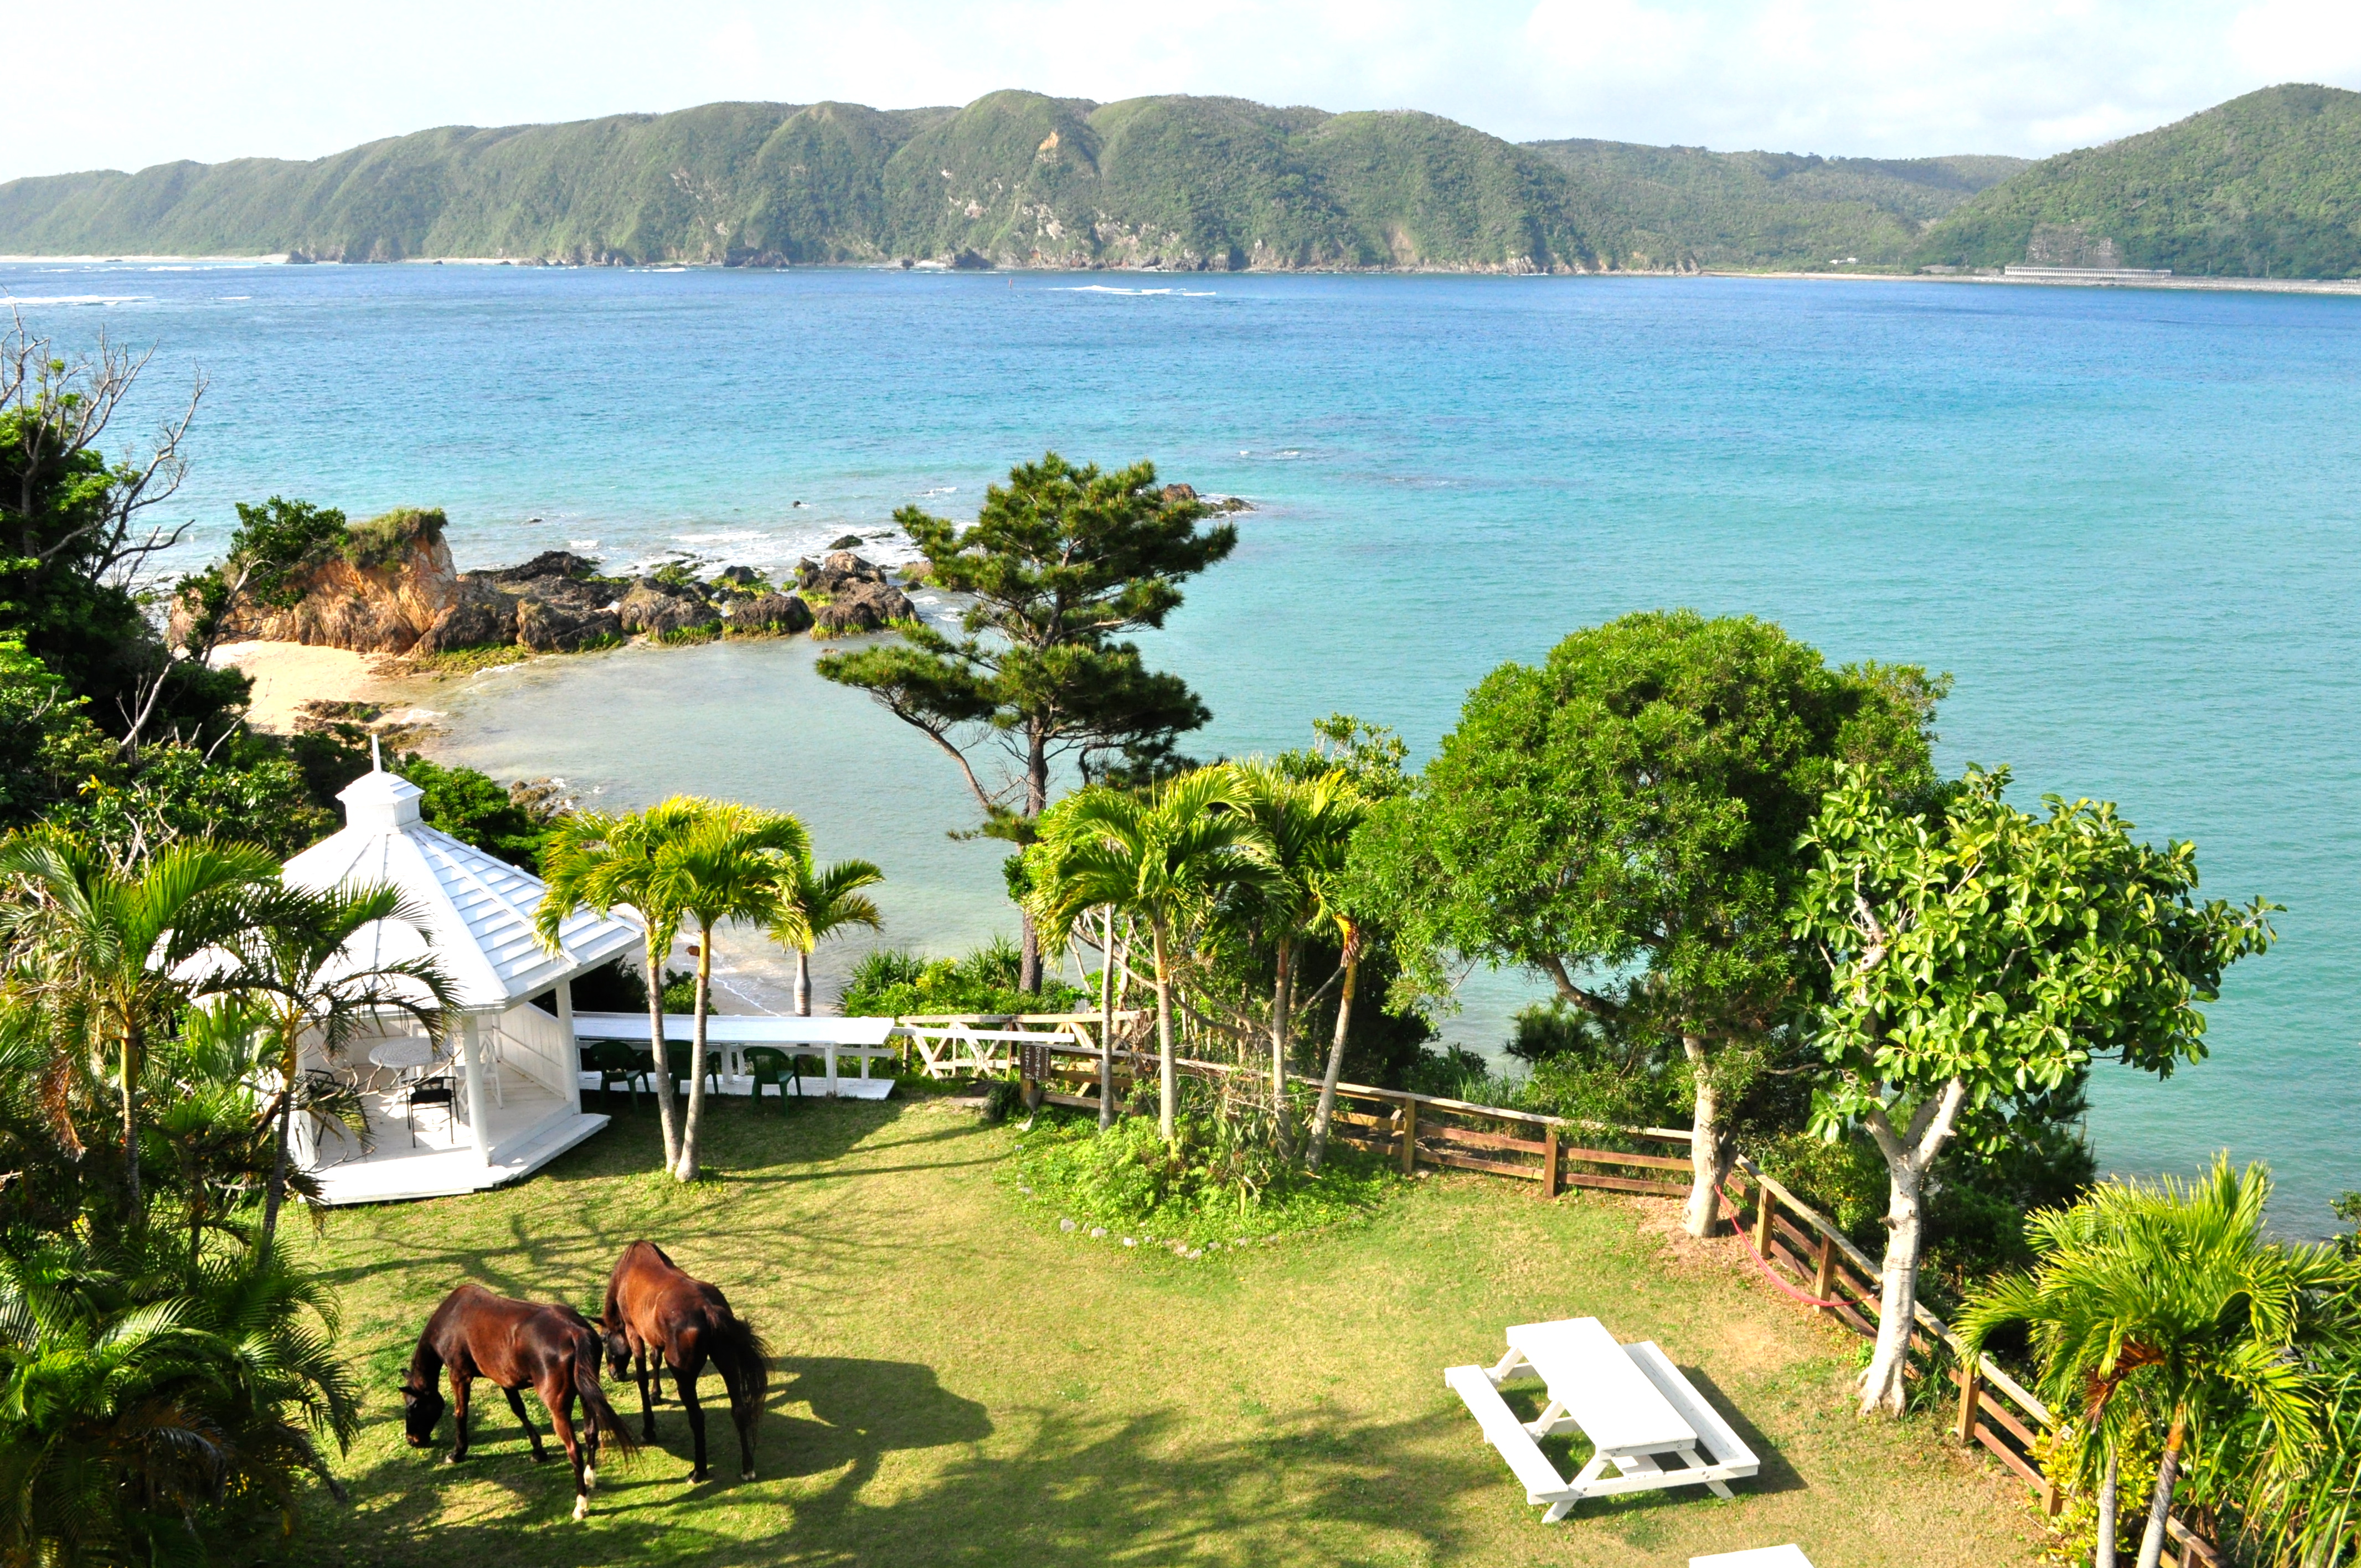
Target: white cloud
[[126, 82]]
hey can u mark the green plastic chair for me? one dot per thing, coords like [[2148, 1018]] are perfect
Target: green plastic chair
[[770, 1065], [676, 1053], [616, 1061]]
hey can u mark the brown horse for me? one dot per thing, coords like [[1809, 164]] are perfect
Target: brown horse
[[653, 1309], [475, 1333]]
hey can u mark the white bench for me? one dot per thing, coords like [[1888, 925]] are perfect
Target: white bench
[[1761, 1557], [1629, 1400]]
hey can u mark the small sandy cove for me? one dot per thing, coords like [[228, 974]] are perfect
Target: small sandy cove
[[288, 674]]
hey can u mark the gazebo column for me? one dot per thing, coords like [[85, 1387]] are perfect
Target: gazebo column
[[573, 1051], [471, 1059]]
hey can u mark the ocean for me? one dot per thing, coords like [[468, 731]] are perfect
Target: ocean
[[2125, 520]]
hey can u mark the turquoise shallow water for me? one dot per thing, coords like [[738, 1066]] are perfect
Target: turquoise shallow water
[[2125, 520]]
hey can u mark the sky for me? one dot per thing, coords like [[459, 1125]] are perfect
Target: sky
[[123, 83]]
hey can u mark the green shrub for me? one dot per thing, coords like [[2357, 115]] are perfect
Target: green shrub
[[1217, 1186], [890, 981], [384, 540]]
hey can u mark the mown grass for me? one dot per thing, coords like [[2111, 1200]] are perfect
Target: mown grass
[[960, 1382]]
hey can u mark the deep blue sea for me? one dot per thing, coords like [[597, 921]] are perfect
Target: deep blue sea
[[2128, 523]]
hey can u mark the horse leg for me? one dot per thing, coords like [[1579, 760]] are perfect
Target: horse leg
[[561, 1421], [745, 1414], [684, 1379], [459, 1385], [516, 1403], [647, 1404]]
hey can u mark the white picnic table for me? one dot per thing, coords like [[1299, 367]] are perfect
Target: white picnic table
[[1630, 1400], [1760, 1557]]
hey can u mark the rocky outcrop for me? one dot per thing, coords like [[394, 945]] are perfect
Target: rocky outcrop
[[768, 615], [392, 581], [390, 587], [481, 614], [864, 606], [839, 571]]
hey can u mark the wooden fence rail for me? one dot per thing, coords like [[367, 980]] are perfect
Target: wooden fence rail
[[1799, 1247]]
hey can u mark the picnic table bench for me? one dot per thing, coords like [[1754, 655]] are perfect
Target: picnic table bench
[[1630, 1400]]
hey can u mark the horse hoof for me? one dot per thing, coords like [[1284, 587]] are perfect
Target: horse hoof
[[581, 1507], [589, 1479], [746, 1474], [699, 1475]]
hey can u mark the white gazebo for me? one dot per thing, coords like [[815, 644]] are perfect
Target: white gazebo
[[519, 1097]]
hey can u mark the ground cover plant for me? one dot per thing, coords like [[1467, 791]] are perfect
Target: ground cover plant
[[1211, 1188], [960, 1381]]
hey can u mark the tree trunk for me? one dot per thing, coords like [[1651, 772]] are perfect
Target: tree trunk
[[1320, 1118], [693, 1122], [2159, 1507], [1281, 1000], [1881, 1388], [1908, 1156], [666, 1114], [2105, 1555], [276, 1193], [802, 983], [1106, 1020], [1708, 1145], [1168, 1087], [131, 1127], [1036, 800]]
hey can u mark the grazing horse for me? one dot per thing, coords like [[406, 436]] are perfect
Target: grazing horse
[[655, 1309], [475, 1333]]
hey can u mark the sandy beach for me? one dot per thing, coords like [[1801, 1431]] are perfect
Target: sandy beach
[[288, 674]]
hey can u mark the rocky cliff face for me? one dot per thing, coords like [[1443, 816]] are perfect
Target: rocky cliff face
[[393, 589], [379, 596]]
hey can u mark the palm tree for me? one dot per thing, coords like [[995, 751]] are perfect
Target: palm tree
[[1330, 905], [126, 1409], [815, 905], [2167, 1298], [1305, 827], [292, 960], [727, 866], [1161, 856], [106, 957], [606, 861]]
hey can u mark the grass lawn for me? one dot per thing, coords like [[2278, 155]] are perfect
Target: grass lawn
[[960, 1382]]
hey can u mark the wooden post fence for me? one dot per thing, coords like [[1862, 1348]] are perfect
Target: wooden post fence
[[1801, 1249]]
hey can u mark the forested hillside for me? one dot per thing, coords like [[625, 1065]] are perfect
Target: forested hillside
[[1013, 179], [2267, 184], [1773, 209], [2264, 186]]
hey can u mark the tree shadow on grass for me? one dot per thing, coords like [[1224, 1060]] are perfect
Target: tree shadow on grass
[[1052, 1488]]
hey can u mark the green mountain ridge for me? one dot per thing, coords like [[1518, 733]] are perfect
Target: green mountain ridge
[[1014, 178], [2267, 185]]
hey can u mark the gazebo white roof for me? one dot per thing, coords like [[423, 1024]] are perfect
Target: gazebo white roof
[[477, 911]]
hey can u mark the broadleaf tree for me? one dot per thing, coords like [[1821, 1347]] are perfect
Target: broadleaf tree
[[1979, 955], [1622, 821], [1059, 563]]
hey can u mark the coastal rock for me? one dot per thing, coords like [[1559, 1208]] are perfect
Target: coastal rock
[[848, 541], [656, 611], [552, 626], [768, 614], [739, 579], [390, 581], [839, 571], [482, 615], [864, 606], [562, 563], [1179, 492]]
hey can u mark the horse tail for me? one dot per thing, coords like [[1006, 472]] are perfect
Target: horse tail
[[739, 1350], [602, 1415]]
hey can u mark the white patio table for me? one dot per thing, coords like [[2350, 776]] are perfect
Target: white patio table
[[406, 1057], [1630, 1400]]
